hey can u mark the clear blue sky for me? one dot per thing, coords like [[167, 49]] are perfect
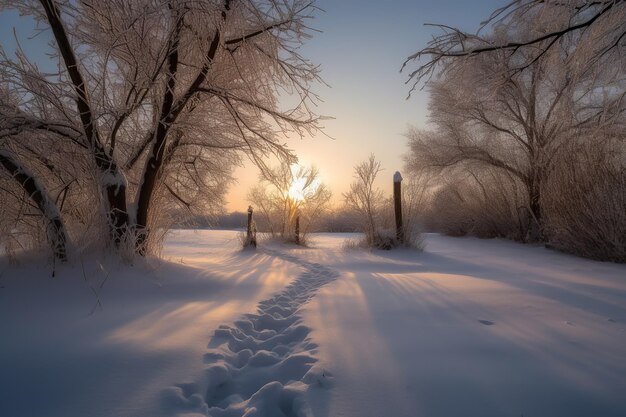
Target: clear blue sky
[[360, 50]]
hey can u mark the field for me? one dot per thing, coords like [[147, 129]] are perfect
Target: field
[[467, 327]]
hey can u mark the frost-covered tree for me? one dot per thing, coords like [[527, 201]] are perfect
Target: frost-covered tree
[[288, 191], [529, 119], [489, 114], [365, 199], [600, 25], [156, 101]]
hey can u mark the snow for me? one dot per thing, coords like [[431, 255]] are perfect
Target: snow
[[468, 327], [49, 209], [117, 179], [57, 359], [472, 327]]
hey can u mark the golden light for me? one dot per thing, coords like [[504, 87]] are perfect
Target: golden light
[[296, 190], [301, 187]]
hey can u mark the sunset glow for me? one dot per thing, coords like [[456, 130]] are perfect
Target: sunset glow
[[301, 187], [296, 191]]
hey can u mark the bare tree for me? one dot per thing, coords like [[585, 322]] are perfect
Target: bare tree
[[601, 25], [365, 199], [516, 122], [288, 191], [162, 99], [520, 109]]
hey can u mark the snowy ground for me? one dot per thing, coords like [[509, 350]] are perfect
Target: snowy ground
[[469, 327]]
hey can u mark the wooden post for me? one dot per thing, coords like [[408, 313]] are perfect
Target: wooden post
[[251, 233], [397, 202], [297, 227]]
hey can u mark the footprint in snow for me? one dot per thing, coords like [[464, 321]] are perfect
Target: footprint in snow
[[264, 362]]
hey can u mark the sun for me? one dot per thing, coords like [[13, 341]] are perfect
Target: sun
[[301, 186], [297, 189]]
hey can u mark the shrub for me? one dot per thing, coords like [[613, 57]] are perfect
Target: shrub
[[585, 202]]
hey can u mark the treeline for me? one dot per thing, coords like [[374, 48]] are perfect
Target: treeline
[[527, 134], [288, 192], [332, 221]]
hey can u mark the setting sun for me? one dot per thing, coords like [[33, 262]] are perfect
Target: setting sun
[[296, 191], [304, 183]]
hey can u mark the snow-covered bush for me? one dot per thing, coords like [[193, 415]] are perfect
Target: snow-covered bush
[[585, 201], [484, 205]]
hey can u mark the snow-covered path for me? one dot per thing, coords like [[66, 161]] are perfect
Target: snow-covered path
[[469, 327]]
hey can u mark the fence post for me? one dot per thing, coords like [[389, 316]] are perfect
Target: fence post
[[250, 235], [297, 227], [397, 202]]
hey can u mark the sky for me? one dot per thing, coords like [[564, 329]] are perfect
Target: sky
[[360, 49]]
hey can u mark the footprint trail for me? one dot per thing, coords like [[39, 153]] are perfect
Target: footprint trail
[[262, 364]]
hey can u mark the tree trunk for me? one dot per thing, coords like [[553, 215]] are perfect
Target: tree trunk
[[297, 228], [143, 204], [57, 236], [535, 230], [167, 117], [535, 203], [170, 110], [113, 183], [118, 212]]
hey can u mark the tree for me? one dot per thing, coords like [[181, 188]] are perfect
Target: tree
[[36, 192], [364, 199], [488, 114], [288, 191], [162, 99], [599, 24]]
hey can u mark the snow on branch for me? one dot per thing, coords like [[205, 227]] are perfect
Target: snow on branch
[[576, 18]]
